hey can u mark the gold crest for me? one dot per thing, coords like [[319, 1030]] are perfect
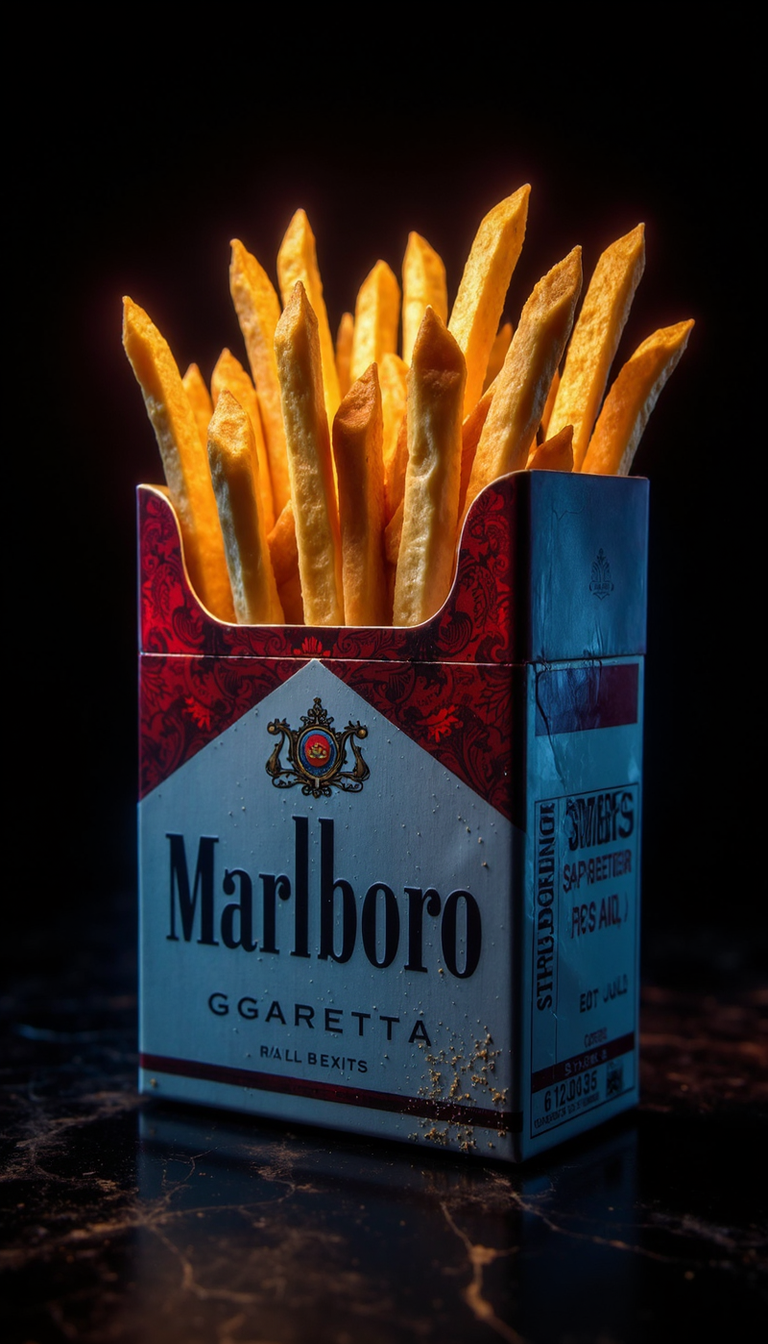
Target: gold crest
[[317, 755]]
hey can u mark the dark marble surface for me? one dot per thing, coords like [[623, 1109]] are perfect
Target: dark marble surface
[[126, 1221]]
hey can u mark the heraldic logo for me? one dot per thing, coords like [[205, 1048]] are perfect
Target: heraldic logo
[[317, 755], [602, 584]]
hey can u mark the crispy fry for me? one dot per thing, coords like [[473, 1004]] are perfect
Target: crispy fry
[[229, 374], [546, 414], [424, 287], [297, 347], [521, 387], [596, 337], [377, 316], [501, 343], [234, 472], [403, 426], [199, 399], [357, 439], [184, 458], [471, 430], [632, 398], [344, 337], [297, 260], [393, 377], [479, 303], [392, 535], [394, 471], [284, 554], [555, 454], [258, 309], [430, 506]]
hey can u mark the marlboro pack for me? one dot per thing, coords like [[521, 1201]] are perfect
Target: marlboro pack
[[390, 877]]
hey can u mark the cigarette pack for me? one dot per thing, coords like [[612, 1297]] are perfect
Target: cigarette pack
[[390, 878]]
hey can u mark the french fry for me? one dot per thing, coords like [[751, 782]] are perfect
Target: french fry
[[284, 554], [546, 414], [357, 440], [234, 472], [258, 310], [297, 348], [393, 377], [471, 430], [632, 398], [394, 471], [297, 260], [521, 388], [424, 287], [596, 338], [414, 447], [184, 458], [555, 454], [199, 399], [430, 505], [229, 374], [344, 337], [501, 343], [479, 303], [392, 535], [377, 317], [282, 546]]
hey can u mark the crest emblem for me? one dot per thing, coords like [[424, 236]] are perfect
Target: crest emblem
[[601, 584], [317, 755]]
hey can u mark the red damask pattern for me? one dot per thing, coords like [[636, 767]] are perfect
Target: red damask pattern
[[461, 715], [184, 703], [444, 683], [473, 625]]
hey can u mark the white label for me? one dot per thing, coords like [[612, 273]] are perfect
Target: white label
[[584, 1026], [348, 943]]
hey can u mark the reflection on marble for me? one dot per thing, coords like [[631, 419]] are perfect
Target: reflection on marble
[[128, 1221]]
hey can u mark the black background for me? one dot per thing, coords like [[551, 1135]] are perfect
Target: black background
[[152, 155]]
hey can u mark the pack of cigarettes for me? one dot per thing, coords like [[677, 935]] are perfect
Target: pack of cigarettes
[[390, 876]]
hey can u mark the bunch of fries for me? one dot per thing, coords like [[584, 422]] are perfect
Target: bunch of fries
[[331, 486]]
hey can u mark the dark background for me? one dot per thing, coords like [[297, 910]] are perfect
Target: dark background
[[149, 162]]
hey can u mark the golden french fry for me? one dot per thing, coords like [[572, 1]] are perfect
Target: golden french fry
[[596, 338], [357, 440], [424, 287], [546, 414], [297, 260], [555, 454], [393, 377], [479, 303], [284, 554], [632, 398], [184, 458], [234, 472], [394, 471], [377, 317], [430, 505], [229, 374], [501, 343], [392, 536], [521, 388], [258, 310], [471, 430], [344, 337], [297, 347], [282, 546], [199, 399]]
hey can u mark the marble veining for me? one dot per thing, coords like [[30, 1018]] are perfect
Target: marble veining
[[138, 1221]]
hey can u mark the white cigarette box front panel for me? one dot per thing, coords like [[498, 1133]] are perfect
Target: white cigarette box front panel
[[389, 879]]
